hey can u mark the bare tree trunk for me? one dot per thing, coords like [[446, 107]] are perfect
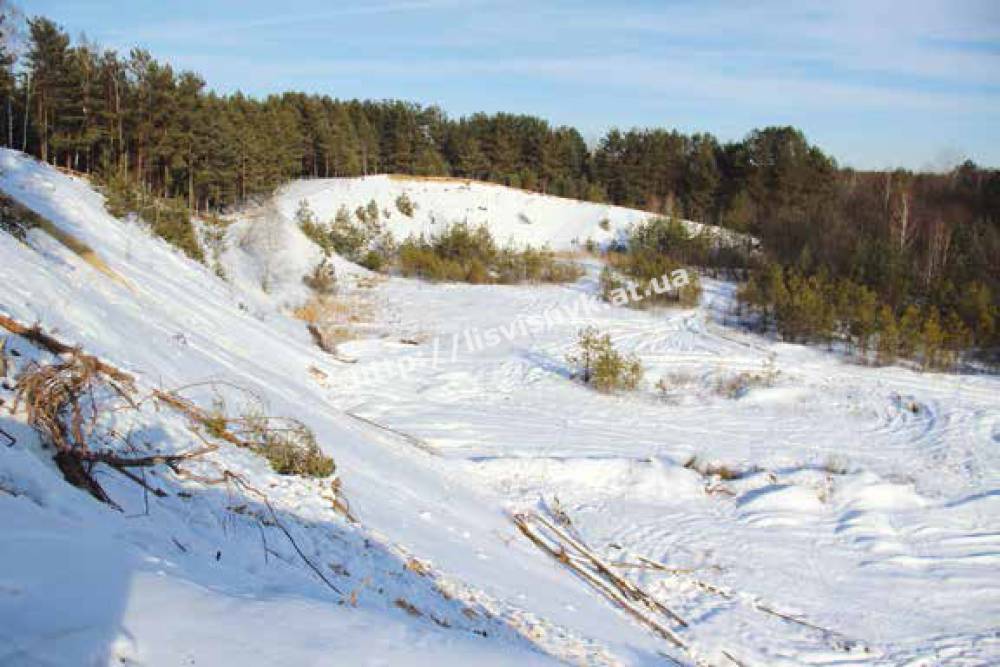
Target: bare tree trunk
[[27, 109], [191, 201], [122, 153], [904, 219]]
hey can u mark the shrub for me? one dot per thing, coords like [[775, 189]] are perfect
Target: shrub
[[534, 265], [652, 258], [364, 242], [675, 286], [168, 218], [213, 237], [720, 470], [464, 253], [215, 422], [346, 238], [477, 273], [373, 261], [323, 279], [600, 365], [405, 205], [313, 229], [736, 386], [368, 216], [288, 445], [672, 385]]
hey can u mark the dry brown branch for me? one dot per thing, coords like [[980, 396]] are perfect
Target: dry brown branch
[[35, 335], [733, 659], [60, 402], [141, 481], [230, 477], [116, 461], [197, 415], [623, 565], [626, 586], [603, 587], [52, 396], [612, 588], [752, 602], [412, 439]]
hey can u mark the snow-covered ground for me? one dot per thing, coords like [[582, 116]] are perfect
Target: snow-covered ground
[[863, 525], [512, 215]]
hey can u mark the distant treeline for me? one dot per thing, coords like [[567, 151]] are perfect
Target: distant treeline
[[913, 238]]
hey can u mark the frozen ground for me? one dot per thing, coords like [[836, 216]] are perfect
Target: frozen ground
[[860, 523]]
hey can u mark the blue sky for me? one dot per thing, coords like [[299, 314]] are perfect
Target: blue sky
[[876, 84]]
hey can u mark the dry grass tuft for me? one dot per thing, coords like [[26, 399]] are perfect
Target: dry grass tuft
[[335, 310], [408, 607], [720, 471], [334, 320], [286, 443], [737, 386], [433, 179], [370, 281], [418, 566]]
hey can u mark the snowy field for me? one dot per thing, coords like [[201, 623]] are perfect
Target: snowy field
[[842, 515]]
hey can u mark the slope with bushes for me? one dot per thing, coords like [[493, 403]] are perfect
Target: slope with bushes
[[417, 557]]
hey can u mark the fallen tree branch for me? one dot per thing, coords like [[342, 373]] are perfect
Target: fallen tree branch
[[35, 335], [141, 481], [117, 461], [610, 589], [626, 586], [227, 477], [752, 602], [412, 439]]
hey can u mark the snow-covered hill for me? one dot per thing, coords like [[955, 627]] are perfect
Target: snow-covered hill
[[842, 515], [266, 248], [512, 215]]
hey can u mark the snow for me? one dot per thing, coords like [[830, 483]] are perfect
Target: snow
[[512, 215], [862, 501]]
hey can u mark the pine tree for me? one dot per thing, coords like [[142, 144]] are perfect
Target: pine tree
[[979, 312], [956, 337], [46, 61], [910, 331], [888, 335], [932, 339], [864, 320], [701, 178]]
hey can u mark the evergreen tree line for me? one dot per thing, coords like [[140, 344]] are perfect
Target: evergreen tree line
[[820, 309], [917, 239]]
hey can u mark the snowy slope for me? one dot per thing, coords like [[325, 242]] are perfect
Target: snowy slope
[[863, 528], [176, 324], [265, 248], [512, 215]]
